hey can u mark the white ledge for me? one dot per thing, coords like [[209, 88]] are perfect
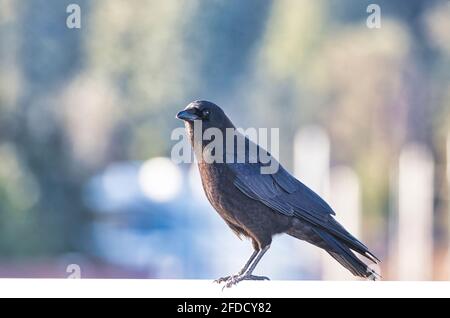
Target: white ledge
[[208, 289]]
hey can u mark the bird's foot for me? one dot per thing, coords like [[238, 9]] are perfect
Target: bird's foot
[[225, 279], [233, 280]]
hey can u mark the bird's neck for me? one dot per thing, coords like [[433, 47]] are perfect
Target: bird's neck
[[196, 134]]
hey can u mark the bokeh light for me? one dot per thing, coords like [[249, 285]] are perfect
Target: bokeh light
[[160, 179]]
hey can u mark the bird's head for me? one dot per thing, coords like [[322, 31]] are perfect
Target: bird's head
[[208, 113]]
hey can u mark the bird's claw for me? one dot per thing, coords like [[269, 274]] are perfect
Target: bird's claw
[[223, 279], [232, 281], [235, 279]]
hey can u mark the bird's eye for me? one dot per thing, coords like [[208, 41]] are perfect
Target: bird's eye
[[205, 114]]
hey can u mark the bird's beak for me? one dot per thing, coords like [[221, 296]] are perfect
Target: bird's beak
[[188, 115]]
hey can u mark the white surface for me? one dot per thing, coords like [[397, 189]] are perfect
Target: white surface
[[206, 288]]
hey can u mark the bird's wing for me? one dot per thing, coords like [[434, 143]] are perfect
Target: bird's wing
[[285, 194], [279, 190]]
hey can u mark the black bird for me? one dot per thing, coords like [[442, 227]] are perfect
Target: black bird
[[258, 206]]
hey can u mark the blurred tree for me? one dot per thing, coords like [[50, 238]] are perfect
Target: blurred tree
[[42, 195]]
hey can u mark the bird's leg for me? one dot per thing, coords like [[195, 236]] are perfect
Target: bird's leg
[[248, 274], [250, 260], [242, 271]]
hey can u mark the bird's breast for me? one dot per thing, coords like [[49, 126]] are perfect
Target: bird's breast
[[218, 186]]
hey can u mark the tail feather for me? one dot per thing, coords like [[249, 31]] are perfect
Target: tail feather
[[343, 254], [353, 243]]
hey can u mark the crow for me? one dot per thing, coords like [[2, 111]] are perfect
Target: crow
[[260, 205]]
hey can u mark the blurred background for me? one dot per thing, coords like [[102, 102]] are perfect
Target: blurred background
[[86, 180]]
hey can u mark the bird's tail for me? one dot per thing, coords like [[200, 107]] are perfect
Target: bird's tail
[[341, 250], [344, 255]]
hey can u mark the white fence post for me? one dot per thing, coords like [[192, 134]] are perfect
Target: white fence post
[[414, 250], [312, 167], [345, 199], [312, 159]]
